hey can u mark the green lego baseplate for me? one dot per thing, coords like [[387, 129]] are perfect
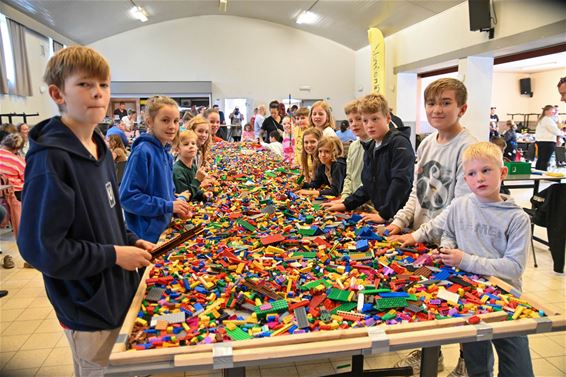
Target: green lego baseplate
[[316, 283], [339, 295], [274, 307], [238, 334], [346, 307], [390, 303]]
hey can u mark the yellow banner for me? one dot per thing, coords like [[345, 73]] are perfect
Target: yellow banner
[[377, 60]]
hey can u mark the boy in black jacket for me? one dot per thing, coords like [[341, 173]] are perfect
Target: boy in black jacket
[[389, 163], [72, 227]]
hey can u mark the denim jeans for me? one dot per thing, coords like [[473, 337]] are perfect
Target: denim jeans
[[513, 353]]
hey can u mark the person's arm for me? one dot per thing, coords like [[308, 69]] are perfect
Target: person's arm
[[402, 171], [318, 180], [338, 172], [134, 187], [512, 264], [351, 164]]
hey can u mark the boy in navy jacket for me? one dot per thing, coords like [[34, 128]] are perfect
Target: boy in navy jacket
[[72, 227], [389, 162]]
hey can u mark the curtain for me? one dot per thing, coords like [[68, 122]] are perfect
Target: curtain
[[57, 46], [3, 74], [22, 86]]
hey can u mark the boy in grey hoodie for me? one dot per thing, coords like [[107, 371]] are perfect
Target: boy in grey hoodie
[[488, 234]]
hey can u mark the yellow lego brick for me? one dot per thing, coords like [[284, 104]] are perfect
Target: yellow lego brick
[[282, 329], [230, 326], [141, 321], [518, 312], [274, 250], [240, 268]]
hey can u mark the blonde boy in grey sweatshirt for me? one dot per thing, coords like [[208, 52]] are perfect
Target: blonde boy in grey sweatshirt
[[487, 233]]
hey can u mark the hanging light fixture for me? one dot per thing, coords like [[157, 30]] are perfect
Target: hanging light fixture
[[138, 12]]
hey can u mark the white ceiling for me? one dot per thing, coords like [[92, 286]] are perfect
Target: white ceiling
[[345, 22], [532, 65]]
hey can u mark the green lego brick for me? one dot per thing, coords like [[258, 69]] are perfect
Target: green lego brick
[[388, 316], [305, 254], [339, 295], [389, 303], [314, 284], [412, 297], [374, 291], [246, 225], [345, 307], [275, 307], [238, 334], [307, 232]]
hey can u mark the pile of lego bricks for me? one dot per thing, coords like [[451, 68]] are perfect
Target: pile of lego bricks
[[272, 263]]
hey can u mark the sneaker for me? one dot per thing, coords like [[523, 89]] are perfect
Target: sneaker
[[413, 360], [460, 370], [8, 262]]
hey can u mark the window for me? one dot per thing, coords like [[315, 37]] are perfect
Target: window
[[8, 55]]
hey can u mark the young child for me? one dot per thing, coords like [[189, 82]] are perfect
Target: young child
[[439, 175], [201, 127], [288, 140], [439, 172], [274, 144], [117, 148], [147, 191], [309, 157], [355, 160], [510, 137], [321, 117], [186, 176], [389, 164], [487, 233], [331, 170], [248, 134], [302, 123], [72, 227], [213, 118]]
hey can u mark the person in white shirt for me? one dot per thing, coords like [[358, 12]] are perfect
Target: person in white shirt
[[274, 144], [547, 136]]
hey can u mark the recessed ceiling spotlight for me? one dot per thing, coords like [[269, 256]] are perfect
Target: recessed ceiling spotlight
[[138, 12], [307, 17]]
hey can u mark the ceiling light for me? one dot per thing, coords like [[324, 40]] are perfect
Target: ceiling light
[[138, 12], [307, 17]]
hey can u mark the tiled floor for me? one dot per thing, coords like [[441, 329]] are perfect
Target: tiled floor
[[32, 342]]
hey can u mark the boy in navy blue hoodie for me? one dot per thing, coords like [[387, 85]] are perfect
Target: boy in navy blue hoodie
[[72, 227], [389, 162]]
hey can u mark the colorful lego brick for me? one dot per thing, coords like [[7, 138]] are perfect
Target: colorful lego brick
[[362, 245], [301, 317], [273, 238], [278, 306], [178, 317], [345, 307], [351, 316], [238, 334], [339, 295], [389, 303], [155, 294]]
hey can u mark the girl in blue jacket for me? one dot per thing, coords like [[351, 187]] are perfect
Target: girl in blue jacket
[[147, 191]]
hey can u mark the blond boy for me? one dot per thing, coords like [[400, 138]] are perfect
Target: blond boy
[[487, 233], [72, 227]]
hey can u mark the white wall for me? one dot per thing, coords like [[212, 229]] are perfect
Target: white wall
[[448, 32], [37, 49], [243, 57], [508, 100]]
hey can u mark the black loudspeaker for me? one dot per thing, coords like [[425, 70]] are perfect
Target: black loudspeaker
[[525, 86], [480, 16]]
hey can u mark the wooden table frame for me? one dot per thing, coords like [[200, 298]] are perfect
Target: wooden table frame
[[233, 357]]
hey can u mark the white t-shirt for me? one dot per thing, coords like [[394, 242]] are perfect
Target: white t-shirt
[[547, 130]]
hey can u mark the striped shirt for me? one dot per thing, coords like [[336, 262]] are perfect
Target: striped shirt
[[13, 167]]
